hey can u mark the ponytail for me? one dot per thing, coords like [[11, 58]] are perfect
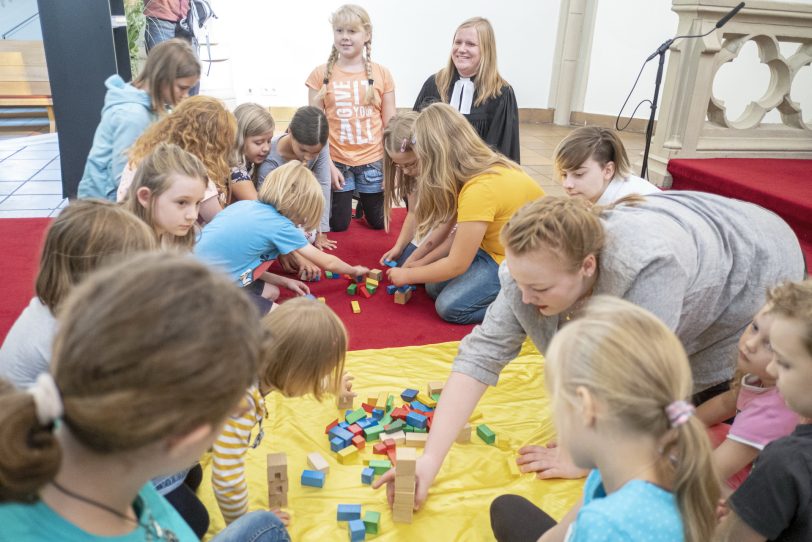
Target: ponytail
[[331, 61], [371, 97]]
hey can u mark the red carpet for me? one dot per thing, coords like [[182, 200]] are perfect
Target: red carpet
[[783, 186], [381, 323], [20, 244]]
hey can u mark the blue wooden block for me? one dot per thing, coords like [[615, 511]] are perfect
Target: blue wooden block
[[335, 276], [391, 289], [312, 478], [416, 420], [367, 475], [343, 434], [377, 413], [408, 395], [417, 405], [390, 263], [349, 512], [337, 444], [412, 287], [347, 412], [405, 288], [366, 422], [343, 425], [358, 531]]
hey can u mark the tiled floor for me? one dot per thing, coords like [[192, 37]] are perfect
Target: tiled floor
[[31, 185]]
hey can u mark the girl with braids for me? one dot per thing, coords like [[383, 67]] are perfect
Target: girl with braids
[[203, 127], [620, 385], [134, 393], [699, 262], [471, 84], [358, 97]]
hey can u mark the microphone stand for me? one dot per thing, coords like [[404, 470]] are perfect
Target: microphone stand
[[660, 52]]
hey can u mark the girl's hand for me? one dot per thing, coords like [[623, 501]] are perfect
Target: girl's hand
[[346, 387], [298, 288], [283, 516], [308, 270], [358, 270], [392, 255], [323, 243], [337, 177], [398, 276], [547, 462], [425, 472]]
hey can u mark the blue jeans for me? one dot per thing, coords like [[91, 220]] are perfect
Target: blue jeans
[[259, 526], [411, 247], [366, 179], [157, 30], [464, 299]]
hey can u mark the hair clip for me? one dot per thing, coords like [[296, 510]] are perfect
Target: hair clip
[[403, 144], [679, 412]]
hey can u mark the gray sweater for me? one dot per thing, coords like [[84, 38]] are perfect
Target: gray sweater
[[700, 262]]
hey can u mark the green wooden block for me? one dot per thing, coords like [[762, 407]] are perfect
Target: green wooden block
[[380, 466], [328, 274], [373, 432], [408, 429], [394, 427], [485, 433], [356, 415], [352, 289], [372, 521], [420, 430], [436, 396], [386, 420], [372, 289], [390, 403]]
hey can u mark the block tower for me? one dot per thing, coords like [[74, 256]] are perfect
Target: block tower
[[277, 481], [403, 506]]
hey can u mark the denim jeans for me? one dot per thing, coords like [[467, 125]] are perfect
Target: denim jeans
[[366, 179], [157, 30], [259, 526], [411, 247], [464, 299]]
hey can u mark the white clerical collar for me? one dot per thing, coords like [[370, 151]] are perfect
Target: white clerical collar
[[463, 95]]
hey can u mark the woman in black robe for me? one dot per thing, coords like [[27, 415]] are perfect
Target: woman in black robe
[[471, 84]]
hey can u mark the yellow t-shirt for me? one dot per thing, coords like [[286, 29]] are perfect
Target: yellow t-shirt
[[356, 128], [493, 198]]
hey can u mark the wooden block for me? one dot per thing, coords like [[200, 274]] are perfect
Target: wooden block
[[356, 308], [375, 274], [417, 440], [277, 467], [401, 298], [323, 300], [372, 282], [406, 459], [344, 403], [465, 434], [399, 437], [317, 462], [366, 293], [347, 455], [433, 388], [485, 433], [372, 400]]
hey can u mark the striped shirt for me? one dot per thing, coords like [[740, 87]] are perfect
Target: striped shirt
[[228, 457]]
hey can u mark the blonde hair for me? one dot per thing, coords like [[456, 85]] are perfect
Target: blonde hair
[[202, 126], [157, 171], [488, 81], [352, 16], [293, 190], [130, 368], [305, 349], [794, 300], [450, 153], [252, 120], [167, 61], [636, 367], [600, 144], [87, 234], [397, 137]]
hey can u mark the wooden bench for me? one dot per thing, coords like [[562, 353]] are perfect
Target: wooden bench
[[24, 77]]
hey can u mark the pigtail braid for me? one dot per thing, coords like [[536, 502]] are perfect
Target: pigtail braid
[[371, 97], [331, 61]]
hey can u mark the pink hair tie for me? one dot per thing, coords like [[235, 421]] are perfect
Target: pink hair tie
[[679, 412]]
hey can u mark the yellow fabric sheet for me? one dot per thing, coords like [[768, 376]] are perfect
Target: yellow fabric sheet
[[517, 410]]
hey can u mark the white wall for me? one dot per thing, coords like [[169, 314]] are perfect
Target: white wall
[[273, 46], [16, 11]]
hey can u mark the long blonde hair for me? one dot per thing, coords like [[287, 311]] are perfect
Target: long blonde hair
[[488, 81], [167, 61], [305, 349], [450, 154], [202, 126], [293, 190], [600, 144], [636, 367], [86, 235], [134, 364], [397, 137], [353, 16], [157, 171], [252, 120]]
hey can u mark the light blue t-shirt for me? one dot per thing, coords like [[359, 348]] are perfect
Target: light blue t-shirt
[[39, 523], [637, 511], [245, 234]]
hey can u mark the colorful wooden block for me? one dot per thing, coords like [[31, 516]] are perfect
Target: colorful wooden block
[[416, 420], [389, 443], [344, 402], [347, 455], [337, 444], [416, 440], [359, 441], [380, 466], [332, 424], [366, 422], [391, 289], [426, 400], [394, 427], [348, 512], [391, 453], [382, 398], [352, 288], [375, 274], [355, 429], [401, 298], [485, 433], [377, 413], [417, 405], [371, 289], [358, 530], [356, 308], [398, 436], [367, 475], [356, 415], [312, 478], [409, 395], [390, 263], [365, 293], [433, 388], [317, 462], [373, 432], [399, 413], [371, 282], [379, 448], [372, 521], [328, 274]]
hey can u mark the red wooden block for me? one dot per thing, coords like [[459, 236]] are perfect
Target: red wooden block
[[359, 441], [392, 456], [399, 413], [332, 424], [367, 408], [355, 429], [389, 443], [365, 293], [379, 448], [428, 423]]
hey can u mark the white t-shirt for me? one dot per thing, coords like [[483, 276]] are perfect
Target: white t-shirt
[[26, 352], [620, 188]]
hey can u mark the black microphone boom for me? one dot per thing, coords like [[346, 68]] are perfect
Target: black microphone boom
[[730, 15]]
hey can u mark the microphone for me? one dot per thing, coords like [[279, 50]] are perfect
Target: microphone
[[730, 15]]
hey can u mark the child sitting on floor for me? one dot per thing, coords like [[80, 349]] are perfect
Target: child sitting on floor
[[255, 127], [591, 163], [775, 501], [251, 232], [304, 353], [620, 384], [761, 413], [86, 235], [166, 193]]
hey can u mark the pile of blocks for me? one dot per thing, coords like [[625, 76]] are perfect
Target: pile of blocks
[[359, 528]]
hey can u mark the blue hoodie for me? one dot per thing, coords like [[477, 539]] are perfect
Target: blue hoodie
[[126, 114]]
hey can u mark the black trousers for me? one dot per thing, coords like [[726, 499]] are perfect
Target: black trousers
[[184, 500], [515, 519], [341, 210]]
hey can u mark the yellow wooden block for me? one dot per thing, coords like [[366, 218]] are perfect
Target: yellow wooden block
[[372, 400], [372, 282], [382, 398], [323, 300], [356, 308], [426, 400], [347, 455]]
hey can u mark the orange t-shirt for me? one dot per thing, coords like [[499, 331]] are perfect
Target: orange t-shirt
[[356, 128]]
